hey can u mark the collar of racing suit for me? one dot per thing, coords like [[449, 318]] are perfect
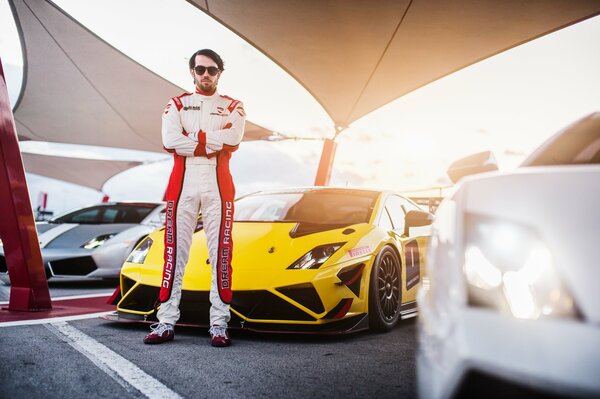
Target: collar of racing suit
[[215, 94]]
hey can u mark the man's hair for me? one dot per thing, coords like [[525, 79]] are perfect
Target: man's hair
[[210, 54]]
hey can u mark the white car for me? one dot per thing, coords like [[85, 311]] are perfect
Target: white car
[[93, 241], [511, 305]]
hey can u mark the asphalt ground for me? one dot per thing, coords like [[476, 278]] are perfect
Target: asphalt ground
[[44, 361], [39, 361]]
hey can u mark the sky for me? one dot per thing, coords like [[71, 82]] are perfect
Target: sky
[[509, 104]]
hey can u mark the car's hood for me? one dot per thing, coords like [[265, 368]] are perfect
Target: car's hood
[[262, 253], [561, 205], [269, 246], [69, 235], [45, 226]]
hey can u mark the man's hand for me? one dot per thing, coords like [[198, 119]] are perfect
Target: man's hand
[[200, 138]]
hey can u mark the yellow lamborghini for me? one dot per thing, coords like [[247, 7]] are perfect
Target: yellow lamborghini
[[312, 260]]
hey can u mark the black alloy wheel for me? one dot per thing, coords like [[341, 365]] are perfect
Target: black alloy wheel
[[385, 291]]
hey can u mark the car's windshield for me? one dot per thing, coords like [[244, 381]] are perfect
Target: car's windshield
[[100, 214], [313, 206], [578, 144]]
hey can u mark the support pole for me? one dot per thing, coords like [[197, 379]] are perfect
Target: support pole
[[326, 163], [29, 287]]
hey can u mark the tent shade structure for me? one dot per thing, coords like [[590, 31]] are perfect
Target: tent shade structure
[[352, 56], [356, 56], [91, 173], [77, 88]]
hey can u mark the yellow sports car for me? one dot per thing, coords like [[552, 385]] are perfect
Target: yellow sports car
[[311, 260]]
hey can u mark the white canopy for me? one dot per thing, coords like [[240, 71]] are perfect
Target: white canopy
[[355, 56], [78, 89], [91, 173]]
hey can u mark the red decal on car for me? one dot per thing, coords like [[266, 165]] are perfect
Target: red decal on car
[[359, 251]]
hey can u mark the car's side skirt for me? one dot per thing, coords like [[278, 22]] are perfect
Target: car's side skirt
[[408, 310]]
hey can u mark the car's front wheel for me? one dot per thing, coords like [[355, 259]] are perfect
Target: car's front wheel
[[385, 294]]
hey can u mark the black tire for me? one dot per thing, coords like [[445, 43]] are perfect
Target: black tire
[[385, 291]]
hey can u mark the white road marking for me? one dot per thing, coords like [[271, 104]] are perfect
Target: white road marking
[[127, 374], [53, 319], [95, 295], [63, 318], [63, 298]]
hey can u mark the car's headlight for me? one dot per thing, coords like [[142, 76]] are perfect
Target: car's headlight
[[97, 241], [509, 268], [138, 255], [314, 258]]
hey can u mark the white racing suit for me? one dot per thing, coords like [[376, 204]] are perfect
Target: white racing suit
[[202, 132]]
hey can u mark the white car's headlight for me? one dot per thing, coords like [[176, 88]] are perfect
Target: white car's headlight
[[138, 255], [97, 241], [509, 268]]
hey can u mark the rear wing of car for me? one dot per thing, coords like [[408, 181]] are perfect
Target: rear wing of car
[[428, 198]]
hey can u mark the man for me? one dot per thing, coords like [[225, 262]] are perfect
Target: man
[[201, 129]]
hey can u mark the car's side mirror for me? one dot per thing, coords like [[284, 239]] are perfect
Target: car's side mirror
[[416, 219], [473, 164], [158, 220]]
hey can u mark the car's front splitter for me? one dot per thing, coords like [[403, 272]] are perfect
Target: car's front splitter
[[348, 325]]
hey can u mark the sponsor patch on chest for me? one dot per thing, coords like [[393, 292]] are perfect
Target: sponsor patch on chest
[[220, 111]]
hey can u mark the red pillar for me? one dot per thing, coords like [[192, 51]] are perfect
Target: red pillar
[[326, 163], [29, 287]]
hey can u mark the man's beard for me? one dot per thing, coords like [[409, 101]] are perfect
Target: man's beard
[[206, 89]]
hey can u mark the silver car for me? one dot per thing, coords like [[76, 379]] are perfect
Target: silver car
[[93, 242]]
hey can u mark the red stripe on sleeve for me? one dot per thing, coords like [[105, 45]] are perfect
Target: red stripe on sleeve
[[178, 103], [232, 106]]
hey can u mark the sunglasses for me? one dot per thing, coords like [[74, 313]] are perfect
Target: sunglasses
[[212, 71]]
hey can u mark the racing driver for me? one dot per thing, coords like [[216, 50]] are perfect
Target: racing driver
[[201, 129]]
